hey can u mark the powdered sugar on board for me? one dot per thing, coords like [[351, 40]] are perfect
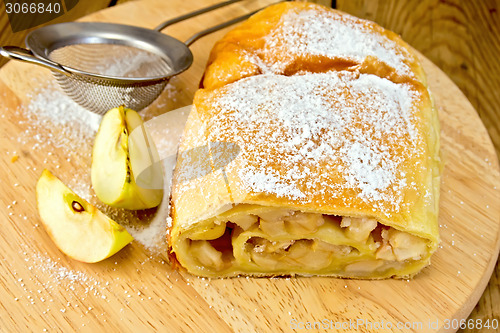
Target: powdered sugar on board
[[323, 134], [313, 32], [50, 110], [64, 131]]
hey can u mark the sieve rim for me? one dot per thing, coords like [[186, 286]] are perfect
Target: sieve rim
[[175, 53]]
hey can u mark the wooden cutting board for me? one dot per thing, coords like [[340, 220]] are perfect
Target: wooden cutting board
[[40, 288]]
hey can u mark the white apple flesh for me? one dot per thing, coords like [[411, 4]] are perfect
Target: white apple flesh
[[112, 175]]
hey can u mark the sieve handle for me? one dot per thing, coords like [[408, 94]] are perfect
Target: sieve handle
[[18, 53], [217, 27], [193, 14]]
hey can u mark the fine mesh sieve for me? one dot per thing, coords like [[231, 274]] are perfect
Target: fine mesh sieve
[[83, 59]]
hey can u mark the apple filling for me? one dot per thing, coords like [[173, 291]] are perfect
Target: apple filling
[[280, 241]]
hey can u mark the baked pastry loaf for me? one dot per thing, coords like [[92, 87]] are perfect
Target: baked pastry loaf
[[298, 37], [321, 153]]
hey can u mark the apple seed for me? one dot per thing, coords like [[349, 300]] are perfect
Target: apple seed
[[77, 207]]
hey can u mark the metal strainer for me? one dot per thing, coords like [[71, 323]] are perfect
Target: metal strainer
[[83, 58]]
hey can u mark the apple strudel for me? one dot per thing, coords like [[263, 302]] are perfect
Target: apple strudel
[[315, 164]]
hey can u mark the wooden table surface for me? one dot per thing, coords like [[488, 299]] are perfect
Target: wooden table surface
[[460, 37]]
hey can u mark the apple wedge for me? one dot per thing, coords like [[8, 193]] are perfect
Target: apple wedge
[[78, 229], [113, 157]]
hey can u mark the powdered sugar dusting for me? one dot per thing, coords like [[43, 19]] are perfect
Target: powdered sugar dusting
[[298, 133], [264, 180], [60, 275], [364, 169], [52, 104], [306, 32], [53, 124], [136, 63], [50, 109]]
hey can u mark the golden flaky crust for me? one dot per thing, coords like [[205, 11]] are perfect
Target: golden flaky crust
[[248, 49], [341, 126]]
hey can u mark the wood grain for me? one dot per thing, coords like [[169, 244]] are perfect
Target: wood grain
[[461, 37], [41, 288]]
